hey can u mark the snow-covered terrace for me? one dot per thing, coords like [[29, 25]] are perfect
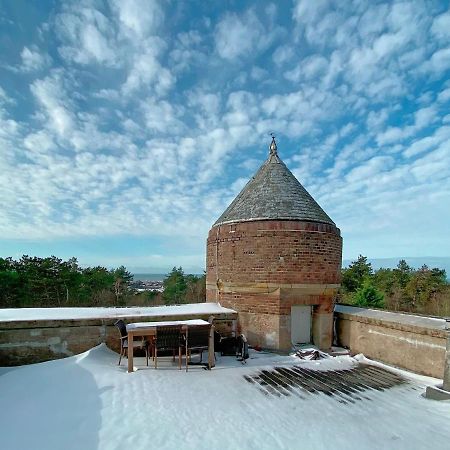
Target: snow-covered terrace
[[88, 402]]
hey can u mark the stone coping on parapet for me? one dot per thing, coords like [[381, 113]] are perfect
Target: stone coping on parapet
[[268, 288], [55, 317], [432, 326]]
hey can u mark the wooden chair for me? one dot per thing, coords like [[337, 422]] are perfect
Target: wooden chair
[[120, 324], [168, 338], [197, 340]]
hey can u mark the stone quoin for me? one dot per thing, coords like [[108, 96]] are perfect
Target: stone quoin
[[275, 256]]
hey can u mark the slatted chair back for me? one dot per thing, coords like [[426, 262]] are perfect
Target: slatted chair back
[[197, 339], [120, 324], [168, 337], [198, 336]]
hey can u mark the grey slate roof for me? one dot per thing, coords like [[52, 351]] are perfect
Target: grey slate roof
[[273, 194]]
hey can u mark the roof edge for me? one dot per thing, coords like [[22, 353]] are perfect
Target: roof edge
[[265, 219]]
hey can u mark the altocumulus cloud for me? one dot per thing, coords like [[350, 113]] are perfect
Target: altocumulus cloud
[[121, 119]]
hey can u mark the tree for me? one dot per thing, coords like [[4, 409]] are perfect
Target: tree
[[195, 288], [122, 283], [423, 286], [10, 284], [43, 282], [402, 273], [353, 277], [96, 286], [384, 280], [174, 287], [368, 295]]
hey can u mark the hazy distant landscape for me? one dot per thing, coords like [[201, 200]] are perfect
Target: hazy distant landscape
[[154, 276], [377, 263]]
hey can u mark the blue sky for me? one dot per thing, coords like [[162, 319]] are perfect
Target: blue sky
[[127, 127]]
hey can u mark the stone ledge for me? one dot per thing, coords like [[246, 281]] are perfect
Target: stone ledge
[[58, 323], [396, 321], [269, 288], [436, 393]]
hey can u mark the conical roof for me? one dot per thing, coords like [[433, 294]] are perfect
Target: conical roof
[[273, 194]]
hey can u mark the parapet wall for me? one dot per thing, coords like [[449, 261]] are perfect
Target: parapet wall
[[411, 342], [33, 341]]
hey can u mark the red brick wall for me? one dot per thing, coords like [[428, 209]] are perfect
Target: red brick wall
[[274, 252], [242, 257]]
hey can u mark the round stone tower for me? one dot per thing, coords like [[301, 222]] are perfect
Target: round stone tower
[[275, 256]]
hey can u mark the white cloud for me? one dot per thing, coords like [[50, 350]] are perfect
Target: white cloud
[[87, 36], [283, 54], [147, 72], [33, 60], [237, 36], [441, 27], [370, 168], [439, 61], [5, 98], [444, 95], [162, 117], [137, 19], [309, 12], [188, 52], [50, 93], [428, 143], [308, 68], [423, 118]]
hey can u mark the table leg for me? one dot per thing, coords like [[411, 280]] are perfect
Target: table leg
[[211, 359], [130, 353]]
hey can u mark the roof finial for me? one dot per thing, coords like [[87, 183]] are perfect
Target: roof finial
[[273, 145]]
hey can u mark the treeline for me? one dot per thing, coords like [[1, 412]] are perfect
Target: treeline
[[49, 282], [181, 288], [178, 288], [424, 290], [46, 282]]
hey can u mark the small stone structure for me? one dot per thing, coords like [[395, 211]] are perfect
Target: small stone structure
[[275, 256]]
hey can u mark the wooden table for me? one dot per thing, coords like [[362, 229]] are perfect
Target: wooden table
[[149, 329]]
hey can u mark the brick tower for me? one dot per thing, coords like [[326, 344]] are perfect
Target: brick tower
[[275, 257]]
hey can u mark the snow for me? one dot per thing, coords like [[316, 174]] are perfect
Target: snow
[[403, 318], [166, 323], [19, 314], [88, 402]]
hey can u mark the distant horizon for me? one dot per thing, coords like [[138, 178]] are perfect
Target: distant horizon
[[441, 262]]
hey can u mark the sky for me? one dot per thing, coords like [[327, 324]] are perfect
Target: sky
[[127, 127]]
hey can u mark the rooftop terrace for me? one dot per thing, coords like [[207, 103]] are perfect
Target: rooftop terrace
[[272, 402]]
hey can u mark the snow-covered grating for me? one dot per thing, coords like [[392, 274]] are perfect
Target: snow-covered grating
[[346, 386]]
